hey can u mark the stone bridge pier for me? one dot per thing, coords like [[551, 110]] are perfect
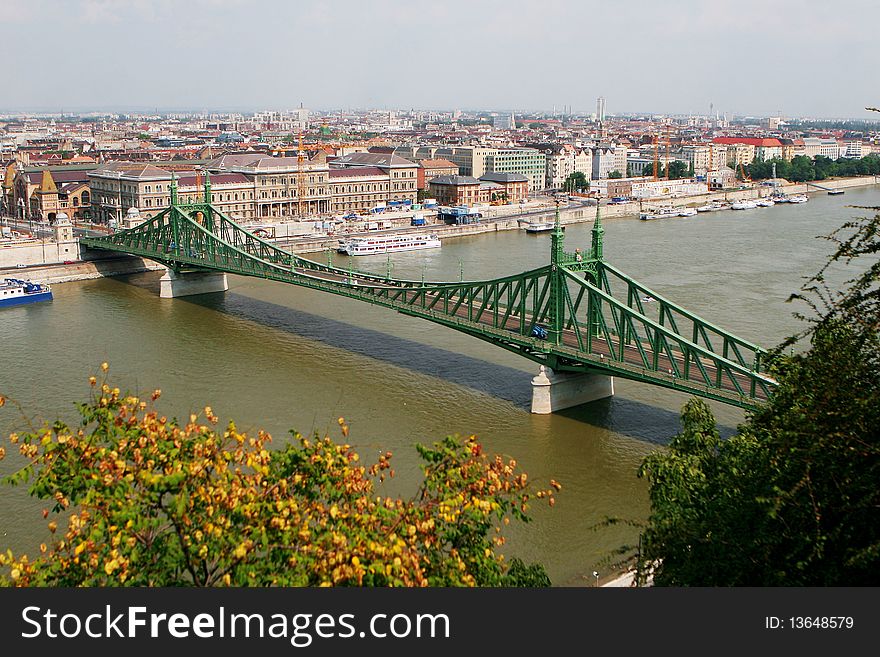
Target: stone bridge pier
[[183, 284], [553, 391]]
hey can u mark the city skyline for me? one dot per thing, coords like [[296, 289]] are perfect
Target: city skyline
[[763, 59]]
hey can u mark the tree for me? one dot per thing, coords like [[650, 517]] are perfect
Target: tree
[[153, 502], [615, 174], [576, 182], [677, 169], [792, 499]]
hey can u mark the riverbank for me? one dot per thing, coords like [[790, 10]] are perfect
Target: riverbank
[[82, 270], [121, 265], [583, 213]]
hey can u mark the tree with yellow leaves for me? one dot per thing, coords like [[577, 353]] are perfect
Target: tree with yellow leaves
[[147, 501]]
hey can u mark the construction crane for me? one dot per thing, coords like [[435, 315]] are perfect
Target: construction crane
[[742, 174], [656, 147], [300, 176], [667, 151]]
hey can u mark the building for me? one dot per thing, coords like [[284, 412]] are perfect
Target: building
[[512, 187], [41, 193], [431, 168], [118, 187], [470, 160], [562, 160], [402, 174], [526, 161], [704, 157], [722, 178], [812, 147], [359, 189], [852, 148], [503, 122], [619, 157], [457, 190], [281, 186], [830, 148], [744, 150], [475, 161], [603, 161]]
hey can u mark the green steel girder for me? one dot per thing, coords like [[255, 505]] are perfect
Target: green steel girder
[[589, 329]]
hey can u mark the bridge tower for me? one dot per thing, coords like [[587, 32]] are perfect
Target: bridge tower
[[553, 389], [177, 282], [556, 308]]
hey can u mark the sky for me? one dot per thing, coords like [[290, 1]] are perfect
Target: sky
[[746, 57]]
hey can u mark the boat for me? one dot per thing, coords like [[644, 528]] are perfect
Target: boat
[[714, 206], [14, 292], [355, 246], [765, 203], [779, 198], [799, 198], [687, 212], [662, 213], [743, 205], [539, 226], [835, 192]]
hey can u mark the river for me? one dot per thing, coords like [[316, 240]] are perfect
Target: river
[[276, 356]]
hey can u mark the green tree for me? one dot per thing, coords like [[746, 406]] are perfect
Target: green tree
[[148, 501], [576, 182], [792, 499], [615, 174], [677, 169]]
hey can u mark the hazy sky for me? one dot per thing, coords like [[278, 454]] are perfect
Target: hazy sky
[[760, 57]]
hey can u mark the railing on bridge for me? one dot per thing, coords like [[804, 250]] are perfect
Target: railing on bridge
[[579, 313]]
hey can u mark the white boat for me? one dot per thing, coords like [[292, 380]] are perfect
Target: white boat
[[779, 198], [687, 212], [714, 206], [765, 203], [799, 198], [743, 205], [662, 213], [539, 226], [355, 246]]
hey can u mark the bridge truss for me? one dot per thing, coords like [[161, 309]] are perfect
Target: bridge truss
[[578, 314]]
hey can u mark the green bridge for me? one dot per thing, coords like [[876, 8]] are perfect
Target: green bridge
[[578, 316]]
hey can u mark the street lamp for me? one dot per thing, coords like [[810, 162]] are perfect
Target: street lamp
[[596, 575]]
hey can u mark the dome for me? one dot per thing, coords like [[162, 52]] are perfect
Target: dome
[[62, 216], [133, 212]]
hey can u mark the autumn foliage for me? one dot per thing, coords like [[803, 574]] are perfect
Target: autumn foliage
[[138, 499]]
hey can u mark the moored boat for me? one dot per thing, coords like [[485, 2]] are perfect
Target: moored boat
[[687, 212], [743, 205], [14, 292], [539, 226], [765, 203], [799, 198], [662, 213], [714, 206], [355, 246]]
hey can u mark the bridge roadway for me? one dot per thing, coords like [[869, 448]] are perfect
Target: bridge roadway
[[600, 351]]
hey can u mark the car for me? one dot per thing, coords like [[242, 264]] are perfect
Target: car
[[539, 332], [68, 262], [21, 266]]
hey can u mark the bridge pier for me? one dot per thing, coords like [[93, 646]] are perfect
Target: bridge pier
[[183, 284], [554, 391]]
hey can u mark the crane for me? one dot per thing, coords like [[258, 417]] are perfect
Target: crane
[[667, 150], [656, 146], [300, 176]]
